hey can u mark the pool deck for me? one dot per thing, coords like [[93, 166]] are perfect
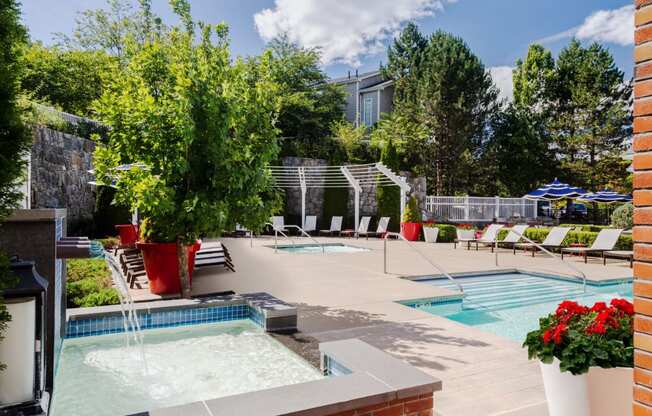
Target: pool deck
[[347, 295]]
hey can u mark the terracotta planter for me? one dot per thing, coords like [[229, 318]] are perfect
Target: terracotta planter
[[162, 266], [600, 392], [430, 234], [411, 230], [128, 234]]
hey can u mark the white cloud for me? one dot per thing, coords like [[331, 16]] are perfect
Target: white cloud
[[502, 76], [344, 30], [609, 26]]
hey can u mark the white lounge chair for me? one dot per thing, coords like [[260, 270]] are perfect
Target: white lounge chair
[[489, 237], [605, 241], [336, 226], [514, 236], [619, 254], [278, 223], [363, 227], [553, 240], [465, 236], [380, 230], [310, 224]]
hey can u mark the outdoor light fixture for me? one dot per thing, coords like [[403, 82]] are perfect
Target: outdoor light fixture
[[22, 381]]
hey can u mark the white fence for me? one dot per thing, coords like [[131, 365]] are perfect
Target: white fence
[[471, 208]]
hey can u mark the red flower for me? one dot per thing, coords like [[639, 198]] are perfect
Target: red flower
[[547, 336], [623, 305], [596, 328], [558, 332], [569, 307], [599, 307]]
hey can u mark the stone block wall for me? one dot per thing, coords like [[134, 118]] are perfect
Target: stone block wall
[[643, 209], [59, 173], [314, 196]]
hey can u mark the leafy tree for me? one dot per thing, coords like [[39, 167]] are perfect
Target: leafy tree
[[351, 138], [404, 62], [68, 79], [14, 136], [389, 197], [202, 126], [309, 104], [532, 79], [406, 136], [110, 29], [590, 118], [454, 100]]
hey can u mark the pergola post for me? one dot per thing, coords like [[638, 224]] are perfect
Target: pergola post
[[357, 188], [302, 183], [398, 180]]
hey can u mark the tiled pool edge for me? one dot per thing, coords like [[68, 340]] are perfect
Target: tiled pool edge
[[370, 379], [272, 314]]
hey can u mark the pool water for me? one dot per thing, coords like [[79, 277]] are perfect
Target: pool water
[[511, 304], [316, 248], [100, 375]]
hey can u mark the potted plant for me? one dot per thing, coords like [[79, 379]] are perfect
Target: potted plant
[[430, 232], [586, 356], [192, 135], [411, 224]]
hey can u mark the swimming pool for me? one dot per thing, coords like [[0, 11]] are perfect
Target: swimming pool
[[511, 304], [316, 248], [100, 375]]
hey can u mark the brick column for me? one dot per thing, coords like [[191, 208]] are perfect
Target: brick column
[[643, 209]]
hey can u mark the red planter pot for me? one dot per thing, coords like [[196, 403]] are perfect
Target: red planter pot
[[128, 234], [162, 266], [411, 230]]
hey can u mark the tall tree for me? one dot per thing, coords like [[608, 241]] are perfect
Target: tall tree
[[532, 79], [14, 136], [454, 100], [309, 104], [389, 197], [590, 119], [403, 63]]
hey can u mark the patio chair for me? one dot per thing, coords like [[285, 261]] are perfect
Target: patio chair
[[465, 236], [619, 254], [310, 224], [336, 226], [380, 230], [278, 223], [605, 241], [489, 237], [514, 236], [553, 240], [363, 227]]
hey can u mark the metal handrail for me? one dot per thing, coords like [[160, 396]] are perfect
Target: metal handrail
[[276, 231], [582, 276], [307, 235], [432, 263]]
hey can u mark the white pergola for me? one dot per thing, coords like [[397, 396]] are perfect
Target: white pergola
[[346, 176]]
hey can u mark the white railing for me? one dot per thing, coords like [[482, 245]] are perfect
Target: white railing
[[472, 208]]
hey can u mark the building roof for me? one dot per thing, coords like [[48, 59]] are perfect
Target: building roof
[[378, 86], [353, 78]]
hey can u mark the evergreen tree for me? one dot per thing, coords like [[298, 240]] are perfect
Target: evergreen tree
[[532, 79], [389, 197], [404, 60]]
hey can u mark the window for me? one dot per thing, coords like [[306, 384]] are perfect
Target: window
[[367, 111]]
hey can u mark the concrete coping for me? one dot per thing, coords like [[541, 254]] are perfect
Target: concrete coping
[[35, 215], [376, 378], [265, 303]]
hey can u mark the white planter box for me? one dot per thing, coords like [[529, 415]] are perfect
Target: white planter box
[[600, 392], [430, 234]]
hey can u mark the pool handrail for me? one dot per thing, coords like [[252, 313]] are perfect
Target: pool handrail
[[431, 262], [581, 274], [276, 231], [302, 231]]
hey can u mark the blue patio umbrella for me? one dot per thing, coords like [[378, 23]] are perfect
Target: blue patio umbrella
[[606, 197], [554, 191]]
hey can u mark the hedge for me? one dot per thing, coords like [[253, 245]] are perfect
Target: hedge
[[573, 237], [586, 227], [89, 283], [447, 232]]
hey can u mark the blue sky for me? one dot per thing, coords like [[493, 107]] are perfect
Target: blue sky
[[354, 34]]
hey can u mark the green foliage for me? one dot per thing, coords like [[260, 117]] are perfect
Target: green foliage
[[623, 216], [69, 80], [202, 125], [335, 204], [309, 105], [89, 283], [109, 243], [406, 136], [411, 212], [350, 138], [444, 88], [573, 237], [447, 232], [389, 197], [533, 79], [586, 227], [581, 337]]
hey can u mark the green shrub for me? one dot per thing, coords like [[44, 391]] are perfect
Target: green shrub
[[411, 212], [622, 217], [573, 237], [586, 227], [447, 232], [89, 284], [109, 242]]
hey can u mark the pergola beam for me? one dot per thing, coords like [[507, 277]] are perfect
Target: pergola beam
[[357, 188], [398, 180]]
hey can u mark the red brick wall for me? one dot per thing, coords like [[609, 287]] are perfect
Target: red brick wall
[[643, 209], [412, 406]]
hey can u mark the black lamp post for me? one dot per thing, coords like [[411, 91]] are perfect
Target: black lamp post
[[22, 381]]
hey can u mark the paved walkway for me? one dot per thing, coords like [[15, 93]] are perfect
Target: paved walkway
[[347, 295]]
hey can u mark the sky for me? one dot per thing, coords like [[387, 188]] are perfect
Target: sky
[[354, 34]]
